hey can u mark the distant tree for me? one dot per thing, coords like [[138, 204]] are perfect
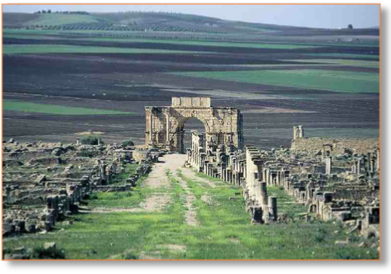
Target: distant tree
[[49, 11], [39, 11], [350, 26], [43, 11]]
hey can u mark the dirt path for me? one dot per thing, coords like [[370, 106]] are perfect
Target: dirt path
[[159, 182], [191, 213], [157, 178], [175, 162], [188, 173]]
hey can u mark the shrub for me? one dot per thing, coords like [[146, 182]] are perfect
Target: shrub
[[88, 154], [131, 256], [90, 140], [127, 143], [94, 196], [49, 253]]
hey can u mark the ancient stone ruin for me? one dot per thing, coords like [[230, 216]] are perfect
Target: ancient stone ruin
[[43, 182], [165, 124], [335, 178]]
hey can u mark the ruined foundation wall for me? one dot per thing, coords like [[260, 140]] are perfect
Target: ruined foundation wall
[[314, 144]]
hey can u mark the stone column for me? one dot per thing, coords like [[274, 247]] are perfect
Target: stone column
[[238, 176], [167, 128], [273, 207], [253, 188], [367, 160], [267, 176], [278, 177], [274, 176], [328, 165], [263, 198], [264, 174], [294, 133], [372, 165], [150, 128], [359, 166], [301, 132]]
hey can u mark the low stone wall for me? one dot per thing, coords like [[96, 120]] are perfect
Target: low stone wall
[[65, 202], [112, 188], [315, 144], [141, 155]]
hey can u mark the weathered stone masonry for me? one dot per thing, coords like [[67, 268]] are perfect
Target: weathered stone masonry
[[334, 180], [165, 124]]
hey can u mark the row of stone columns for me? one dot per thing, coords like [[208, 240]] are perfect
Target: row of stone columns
[[369, 162]]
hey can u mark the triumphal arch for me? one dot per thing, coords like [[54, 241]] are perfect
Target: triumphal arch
[[165, 124]]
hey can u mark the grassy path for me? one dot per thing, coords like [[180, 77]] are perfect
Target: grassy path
[[195, 217]]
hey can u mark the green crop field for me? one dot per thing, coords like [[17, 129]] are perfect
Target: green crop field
[[56, 109], [62, 19], [343, 62], [338, 81], [347, 55], [204, 43], [27, 35], [46, 49]]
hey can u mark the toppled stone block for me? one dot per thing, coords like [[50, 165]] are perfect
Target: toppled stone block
[[58, 151], [344, 215], [31, 227], [41, 179], [48, 246], [8, 228]]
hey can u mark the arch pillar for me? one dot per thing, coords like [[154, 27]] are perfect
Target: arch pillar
[[223, 125]]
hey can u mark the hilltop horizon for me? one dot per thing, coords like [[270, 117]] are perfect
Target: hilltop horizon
[[304, 16]]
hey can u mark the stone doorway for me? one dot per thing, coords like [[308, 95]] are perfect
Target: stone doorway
[[192, 125]]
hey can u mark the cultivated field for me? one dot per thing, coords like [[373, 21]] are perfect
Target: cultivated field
[[98, 71]]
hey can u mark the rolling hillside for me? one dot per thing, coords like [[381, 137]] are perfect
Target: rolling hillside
[[168, 22]]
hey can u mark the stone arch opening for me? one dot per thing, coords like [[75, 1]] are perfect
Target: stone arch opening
[[190, 125], [165, 126]]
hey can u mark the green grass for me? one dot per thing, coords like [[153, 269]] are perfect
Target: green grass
[[338, 81], [130, 169], [42, 49], [56, 109], [224, 230]]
